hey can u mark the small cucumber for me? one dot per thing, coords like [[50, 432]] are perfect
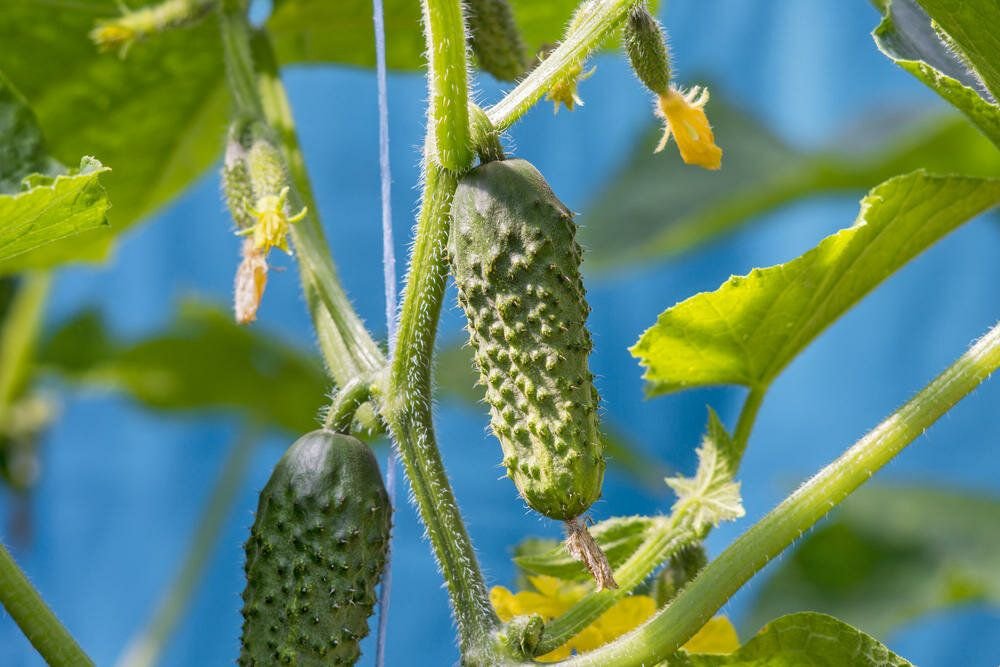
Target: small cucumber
[[495, 39], [315, 554], [517, 265]]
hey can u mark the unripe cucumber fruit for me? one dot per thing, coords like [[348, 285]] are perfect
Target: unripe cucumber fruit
[[315, 554], [517, 265], [495, 39]]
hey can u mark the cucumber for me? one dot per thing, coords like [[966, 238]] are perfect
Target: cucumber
[[315, 554], [495, 39], [516, 262]]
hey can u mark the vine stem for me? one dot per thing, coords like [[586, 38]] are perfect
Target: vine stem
[[665, 632], [587, 35], [19, 334], [145, 648], [252, 74], [26, 606]]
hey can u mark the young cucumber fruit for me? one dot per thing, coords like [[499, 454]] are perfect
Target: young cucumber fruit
[[517, 265], [315, 554]]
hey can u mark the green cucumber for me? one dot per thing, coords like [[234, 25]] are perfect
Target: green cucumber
[[315, 554], [516, 262], [495, 39]]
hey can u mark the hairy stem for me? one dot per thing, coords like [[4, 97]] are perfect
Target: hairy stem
[[663, 634], [447, 78], [587, 35], [345, 405], [145, 648], [258, 95], [746, 420], [407, 408], [24, 604]]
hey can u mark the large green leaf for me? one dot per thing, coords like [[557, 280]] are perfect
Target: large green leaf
[[907, 36], [22, 146], [156, 118], [316, 31], [972, 26], [204, 362], [655, 207], [48, 210], [806, 639], [747, 331], [890, 555]]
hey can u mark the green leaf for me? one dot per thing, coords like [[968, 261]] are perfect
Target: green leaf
[[711, 496], [618, 537], [971, 27], [907, 36], [315, 31], [806, 639], [48, 210], [203, 362], [156, 118], [750, 328], [657, 208], [890, 555], [22, 147]]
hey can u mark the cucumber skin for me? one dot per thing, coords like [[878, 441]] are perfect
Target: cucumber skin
[[315, 554], [517, 266]]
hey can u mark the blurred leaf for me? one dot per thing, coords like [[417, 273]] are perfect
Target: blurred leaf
[[156, 118], [50, 209], [22, 147], [455, 377], [891, 555], [907, 36], [618, 537], [316, 31], [203, 362], [656, 208], [806, 639], [750, 328]]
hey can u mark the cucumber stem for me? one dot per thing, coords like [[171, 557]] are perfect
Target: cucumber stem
[[26, 606], [664, 633]]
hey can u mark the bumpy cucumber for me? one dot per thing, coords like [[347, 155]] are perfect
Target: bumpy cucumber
[[517, 265], [315, 554], [495, 39]]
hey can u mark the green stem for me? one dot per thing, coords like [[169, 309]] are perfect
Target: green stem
[[746, 420], [667, 631], [447, 78], [345, 405], [348, 349], [406, 406], [49, 637], [666, 538], [587, 35], [144, 649], [19, 335]]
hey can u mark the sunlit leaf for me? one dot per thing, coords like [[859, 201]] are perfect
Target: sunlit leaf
[[654, 208], [711, 496], [156, 118], [50, 209], [907, 36], [806, 639], [970, 26], [750, 328], [203, 362], [890, 555]]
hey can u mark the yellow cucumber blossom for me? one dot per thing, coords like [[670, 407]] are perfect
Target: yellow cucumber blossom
[[553, 597], [111, 35], [272, 222], [685, 118], [564, 90]]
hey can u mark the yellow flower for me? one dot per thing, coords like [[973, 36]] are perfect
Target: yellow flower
[[271, 228], [111, 35], [553, 597], [685, 118], [564, 90]]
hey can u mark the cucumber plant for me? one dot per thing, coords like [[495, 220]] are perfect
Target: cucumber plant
[[318, 547]]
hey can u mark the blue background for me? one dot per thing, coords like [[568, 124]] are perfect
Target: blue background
[[122, 488]]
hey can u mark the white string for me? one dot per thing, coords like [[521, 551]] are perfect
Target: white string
[[389, 278]]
